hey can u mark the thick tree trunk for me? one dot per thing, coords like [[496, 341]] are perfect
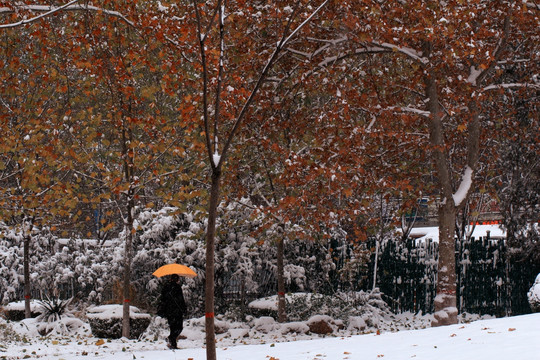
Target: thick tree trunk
[[282, 314], [210, 250], [445, 300]]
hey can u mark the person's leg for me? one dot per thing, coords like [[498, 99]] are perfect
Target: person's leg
[[176, 325], [172, 337]]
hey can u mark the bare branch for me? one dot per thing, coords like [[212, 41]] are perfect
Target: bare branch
[[407, 109], [264, 72], [411, 53], [511, 86], [50, 10]]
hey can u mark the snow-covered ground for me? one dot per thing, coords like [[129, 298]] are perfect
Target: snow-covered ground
[[512, 338]]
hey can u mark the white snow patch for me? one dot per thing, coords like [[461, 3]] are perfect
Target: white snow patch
[[113, 311], [432, 232], [473, 75], [464, 186], [216, 158], [534, 295]]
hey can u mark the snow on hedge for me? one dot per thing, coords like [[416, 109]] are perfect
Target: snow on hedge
[[534, 295], [113, 311]]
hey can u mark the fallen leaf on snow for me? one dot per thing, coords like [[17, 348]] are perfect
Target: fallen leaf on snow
[[512, 329], [100, 342]]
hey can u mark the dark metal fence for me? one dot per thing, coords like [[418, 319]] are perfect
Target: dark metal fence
[[489, 280]]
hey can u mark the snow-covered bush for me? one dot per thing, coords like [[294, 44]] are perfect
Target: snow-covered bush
[[106, 321], [534, 295], [91, 271], [14, 311], [11, 258], [66, 267], [303, 306], [55, 314]]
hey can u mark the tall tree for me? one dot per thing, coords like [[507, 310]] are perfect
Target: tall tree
[[451, 55], [33, 173], [237, 44]]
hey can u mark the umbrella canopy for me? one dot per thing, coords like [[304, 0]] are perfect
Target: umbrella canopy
[[178, 269]]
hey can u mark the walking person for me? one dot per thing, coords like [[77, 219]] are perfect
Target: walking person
[[173, 307]]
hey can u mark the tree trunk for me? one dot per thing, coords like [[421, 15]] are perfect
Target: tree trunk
[[282, 315], [210, 250], [445, 300], [127, 271], [375, 263], [128, 227], [26, 266]]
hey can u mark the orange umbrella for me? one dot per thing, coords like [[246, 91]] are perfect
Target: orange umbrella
[[178, 269]]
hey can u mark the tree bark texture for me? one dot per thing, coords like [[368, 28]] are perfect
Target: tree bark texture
[[128, 228], [126, 330], [282, 314], [445, 300], [26, 268], [210, 268]]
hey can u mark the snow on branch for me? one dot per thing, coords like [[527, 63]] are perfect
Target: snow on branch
[[374, 48], [365, 50], [512, 86], [464, 186], [413, 54], [473, 76], [295, 31], [49, 10], [409, 110]]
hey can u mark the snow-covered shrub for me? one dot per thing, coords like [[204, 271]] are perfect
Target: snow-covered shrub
[[68, 267], [53, 309], [322, 324], [91, 270], [14, 311], [42, 245], [265, 324], [53, 315], [294, 327], [106, 321], [534, 295], [303, 306]]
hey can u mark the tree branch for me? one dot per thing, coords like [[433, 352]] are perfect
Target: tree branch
[[50, 10]]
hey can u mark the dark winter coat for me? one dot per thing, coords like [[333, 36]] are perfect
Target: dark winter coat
[[171, 302]]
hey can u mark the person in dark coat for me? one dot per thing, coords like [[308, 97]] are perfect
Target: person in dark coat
[[173, 307]]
